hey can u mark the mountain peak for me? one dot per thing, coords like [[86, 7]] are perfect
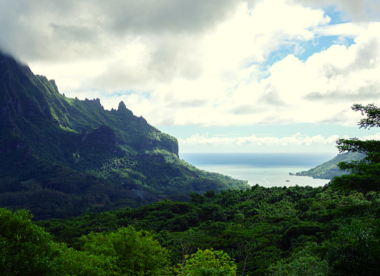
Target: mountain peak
[[122, 106]]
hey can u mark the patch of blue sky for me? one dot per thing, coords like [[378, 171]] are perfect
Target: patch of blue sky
[[335, 15], [322, 43], [303, 50]]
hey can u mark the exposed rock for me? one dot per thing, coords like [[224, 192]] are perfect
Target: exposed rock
[[123, 109]]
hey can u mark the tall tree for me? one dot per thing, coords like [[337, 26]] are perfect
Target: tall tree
[[365, 174]]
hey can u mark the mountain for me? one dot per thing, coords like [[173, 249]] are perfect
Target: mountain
[[329, 169], [61, 156]]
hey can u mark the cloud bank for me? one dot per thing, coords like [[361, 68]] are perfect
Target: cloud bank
[[253, 143], [295, 140], [209, 63]]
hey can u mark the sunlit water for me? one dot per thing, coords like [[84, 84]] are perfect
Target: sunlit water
[[265, 169]]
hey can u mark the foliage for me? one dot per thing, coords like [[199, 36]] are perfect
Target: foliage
[[304, 262], [257, 227], [355, 252], [83, 263], [209, 262], [25, 249], [133, 252]]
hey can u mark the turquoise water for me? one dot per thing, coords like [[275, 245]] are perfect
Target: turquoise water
[[265, 169]]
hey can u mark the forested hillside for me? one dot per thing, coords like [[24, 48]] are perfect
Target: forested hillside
[[61, 156], [329, 169]]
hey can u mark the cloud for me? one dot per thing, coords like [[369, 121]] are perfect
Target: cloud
[[68, 29], [371, 137], [188, 104], [247, 109], [199, 62], [368, 92], [253, 140], [349, 29], [231, 89], [357, 10], [297, 139]]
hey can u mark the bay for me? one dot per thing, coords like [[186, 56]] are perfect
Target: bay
[[265, 169]]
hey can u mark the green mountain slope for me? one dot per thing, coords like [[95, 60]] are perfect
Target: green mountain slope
[[62, 156], [329, 169]]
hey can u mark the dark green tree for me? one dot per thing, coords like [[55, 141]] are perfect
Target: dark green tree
[[25, 248], [357, 251], [365, 174], [133, 252]]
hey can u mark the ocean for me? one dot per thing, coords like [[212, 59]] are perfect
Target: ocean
[[265, 169]]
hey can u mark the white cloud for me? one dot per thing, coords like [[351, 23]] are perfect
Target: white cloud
[[344, 29], [295, 140], [293, 143], [371, 137], [194, 62]]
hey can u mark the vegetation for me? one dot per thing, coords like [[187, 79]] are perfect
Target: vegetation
[[265, 231]]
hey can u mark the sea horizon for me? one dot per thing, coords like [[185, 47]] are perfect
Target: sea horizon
[[265, 169]]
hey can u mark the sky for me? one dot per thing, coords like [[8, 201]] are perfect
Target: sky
[[221, 76]]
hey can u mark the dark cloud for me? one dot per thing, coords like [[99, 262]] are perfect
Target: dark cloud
[[71, 29], [74, 33], [247, 109], [272, 98], [174, 16], [369, 92], [169, 59]]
